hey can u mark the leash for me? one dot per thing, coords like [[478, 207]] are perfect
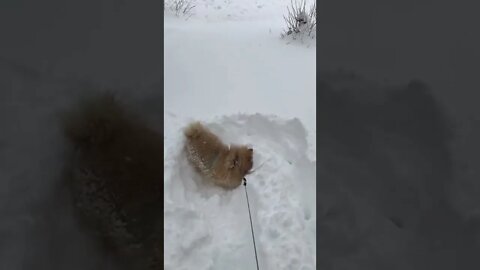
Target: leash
[[251, 224], [261, 165]]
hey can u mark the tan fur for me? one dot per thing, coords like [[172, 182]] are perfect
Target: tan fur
[[223, 165], [116, 175]]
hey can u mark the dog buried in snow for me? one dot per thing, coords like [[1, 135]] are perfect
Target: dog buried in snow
[[116, 178], [223, 165], [115, 175]]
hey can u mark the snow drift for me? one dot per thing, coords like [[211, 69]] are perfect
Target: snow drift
[[208, 228]]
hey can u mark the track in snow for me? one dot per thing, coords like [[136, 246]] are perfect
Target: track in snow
[[208, 228]]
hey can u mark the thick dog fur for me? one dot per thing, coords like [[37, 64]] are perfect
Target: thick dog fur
[[223, 165], [116, 178]]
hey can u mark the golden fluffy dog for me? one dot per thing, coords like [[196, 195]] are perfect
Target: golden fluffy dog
[[224, 165], [116, 177]]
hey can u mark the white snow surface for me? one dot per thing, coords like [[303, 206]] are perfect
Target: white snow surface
[[227, 67], [232, 72], [208, 228]]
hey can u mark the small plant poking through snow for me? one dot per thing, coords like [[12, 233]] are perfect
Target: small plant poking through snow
[[300, 20], [180, 7]]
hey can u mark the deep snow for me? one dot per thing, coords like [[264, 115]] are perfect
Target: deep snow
[[227, 67], [209, 228], [50, 57]]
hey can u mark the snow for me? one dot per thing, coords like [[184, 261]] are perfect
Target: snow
[[208, 227], [232, 72], [227, 67]]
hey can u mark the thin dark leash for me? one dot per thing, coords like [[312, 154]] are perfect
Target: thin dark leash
[[251, 224]]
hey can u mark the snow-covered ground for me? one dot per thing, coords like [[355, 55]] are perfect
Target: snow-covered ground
[[209, 228], [227, 66]]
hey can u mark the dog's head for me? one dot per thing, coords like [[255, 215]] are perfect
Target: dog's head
[[241, 161]]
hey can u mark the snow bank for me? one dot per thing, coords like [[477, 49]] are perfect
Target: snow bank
[[208, 228], [216, 69], [227, 66]]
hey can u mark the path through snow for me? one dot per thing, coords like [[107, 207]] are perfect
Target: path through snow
[[208, 228]]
